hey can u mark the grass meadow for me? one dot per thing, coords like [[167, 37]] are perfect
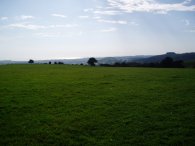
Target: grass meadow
[[96, 106]]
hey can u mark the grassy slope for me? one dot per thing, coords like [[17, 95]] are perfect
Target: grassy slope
[[72, 105]]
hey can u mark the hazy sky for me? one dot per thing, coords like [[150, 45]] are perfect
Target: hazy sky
[[45, 29]]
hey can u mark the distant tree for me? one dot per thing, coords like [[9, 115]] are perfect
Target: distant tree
[[31, 61], [60, 63], [81, 64], [167, 62], [55, 63], [92, 61], [50, 62]]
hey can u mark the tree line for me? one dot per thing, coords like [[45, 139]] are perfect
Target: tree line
[[167, 62]]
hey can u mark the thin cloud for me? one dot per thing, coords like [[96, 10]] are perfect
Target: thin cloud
[[83, 17], [97, 17], [62, 26], [150, 6], [191, 30], [88, 10], [36, 27], [48, 35], [133, 23], [80, 33], [112, 21], [71, 25], [4, 18], [108, 12], [187, 22], [58, 15], [26, 26], [57, 34], [111, 29], [24, 17]]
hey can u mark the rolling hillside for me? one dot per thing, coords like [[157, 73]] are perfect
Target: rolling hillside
[[158, 58]]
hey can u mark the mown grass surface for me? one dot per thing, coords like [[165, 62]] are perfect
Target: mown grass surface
[[78, 105]]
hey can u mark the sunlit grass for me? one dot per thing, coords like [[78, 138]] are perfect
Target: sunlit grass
[[79, 105]]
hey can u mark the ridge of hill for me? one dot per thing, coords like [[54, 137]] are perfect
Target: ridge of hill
[[158, 58], [186, 57]]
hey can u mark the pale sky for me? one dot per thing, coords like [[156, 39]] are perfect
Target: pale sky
[[59, 29]]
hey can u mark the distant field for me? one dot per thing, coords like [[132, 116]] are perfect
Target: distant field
[[80, 105]]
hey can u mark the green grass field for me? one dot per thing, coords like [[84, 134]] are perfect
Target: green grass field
[[80, 105]]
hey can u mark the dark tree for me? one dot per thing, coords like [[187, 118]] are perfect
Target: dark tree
[[167, 62], [50, 62], [92, 61], [60, 63], [31, 61], [178, 64]]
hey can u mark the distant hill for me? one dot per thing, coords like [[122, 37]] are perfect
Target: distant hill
[[5, 61], [158, 58], [186, 57], [65, 61], [12, 62], [112, 60], [101, 60]]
